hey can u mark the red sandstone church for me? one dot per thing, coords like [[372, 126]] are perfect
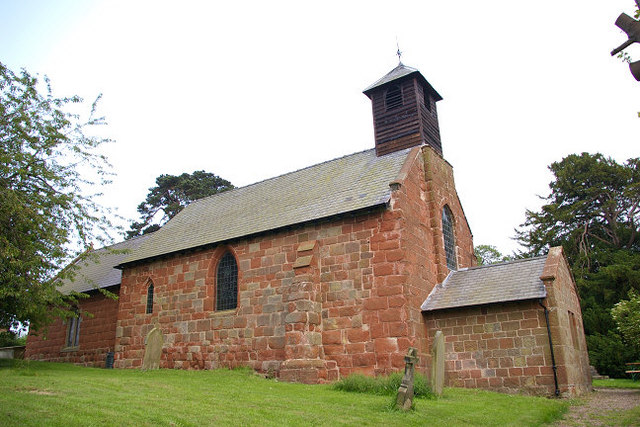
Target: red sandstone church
[[335, 269]]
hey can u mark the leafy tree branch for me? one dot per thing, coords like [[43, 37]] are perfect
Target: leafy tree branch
[[50, 158]]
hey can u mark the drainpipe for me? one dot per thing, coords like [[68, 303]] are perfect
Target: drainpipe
[[553, 359]]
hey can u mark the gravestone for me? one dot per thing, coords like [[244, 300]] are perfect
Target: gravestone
[[437, 364], [152, 349], [404, 400]]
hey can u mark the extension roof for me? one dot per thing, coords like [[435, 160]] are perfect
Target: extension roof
[[510, 281], [97, 270], [338, 186]]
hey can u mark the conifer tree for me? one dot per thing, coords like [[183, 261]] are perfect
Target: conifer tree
[[593, 211], [170, 195]]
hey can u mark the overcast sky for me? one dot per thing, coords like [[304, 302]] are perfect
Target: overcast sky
[[252, 89]]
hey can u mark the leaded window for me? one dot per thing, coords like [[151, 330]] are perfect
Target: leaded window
[[73, 331], [393, 97], [227, 283], [449, 238], [150, 299]]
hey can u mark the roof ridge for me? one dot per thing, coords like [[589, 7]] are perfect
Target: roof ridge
[[498, 264], [121, 242]]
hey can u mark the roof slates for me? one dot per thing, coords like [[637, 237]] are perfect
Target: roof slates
[[511, 281], [342, 185], [98, 270]]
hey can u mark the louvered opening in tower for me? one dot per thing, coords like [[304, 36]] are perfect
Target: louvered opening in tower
[[426, 98], [393, 97]]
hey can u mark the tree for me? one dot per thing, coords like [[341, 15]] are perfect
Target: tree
[[11, 338], [488, 254], [593, 211], [594, 205], [171, 194], [49, 158], [626, 313]]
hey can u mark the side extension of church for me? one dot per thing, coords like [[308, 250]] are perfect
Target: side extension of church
[[340, 268]]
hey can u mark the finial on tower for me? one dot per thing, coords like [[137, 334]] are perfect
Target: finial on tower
[[399, 52]]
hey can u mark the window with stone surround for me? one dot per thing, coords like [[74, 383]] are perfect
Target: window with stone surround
[[449, 238], [150, 298], [574, 330], [227, 283], [73, 332]]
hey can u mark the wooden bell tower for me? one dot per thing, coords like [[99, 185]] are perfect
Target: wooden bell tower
[[404, 111]]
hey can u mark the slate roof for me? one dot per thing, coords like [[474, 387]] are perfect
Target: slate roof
[[342, 185], [99, 271], [510, 281], [400, 72]]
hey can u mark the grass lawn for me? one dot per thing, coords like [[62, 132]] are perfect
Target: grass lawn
[[630, 417], [52, 394], [616, 383]]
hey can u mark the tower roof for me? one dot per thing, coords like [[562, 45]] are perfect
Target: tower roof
[[400, 72]]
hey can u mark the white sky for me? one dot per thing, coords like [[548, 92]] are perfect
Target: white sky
[[253, 89]]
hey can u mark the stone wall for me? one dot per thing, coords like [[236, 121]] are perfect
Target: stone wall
[[503, 347], [424, 238], [97, 334], [567, 330], [317, 301], [441, 191], [279, 306]]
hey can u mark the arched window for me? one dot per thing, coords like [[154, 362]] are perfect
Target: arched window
[[150, 298], [227, 283], [449, 238], [393, 97], [73, 331]]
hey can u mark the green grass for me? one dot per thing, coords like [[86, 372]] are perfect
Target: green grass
[[37, 394], [616, 383], [629, 417], [383, 385]]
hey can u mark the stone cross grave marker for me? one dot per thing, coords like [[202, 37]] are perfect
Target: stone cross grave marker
[[437, 364], [152, 349], [404, 400]]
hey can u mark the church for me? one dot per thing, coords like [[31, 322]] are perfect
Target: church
[[335, 269]]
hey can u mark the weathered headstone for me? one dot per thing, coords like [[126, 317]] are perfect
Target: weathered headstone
[[404, 400], [437, 364], [152, 349]]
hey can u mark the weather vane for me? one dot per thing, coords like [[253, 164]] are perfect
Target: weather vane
[[399, 52]]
